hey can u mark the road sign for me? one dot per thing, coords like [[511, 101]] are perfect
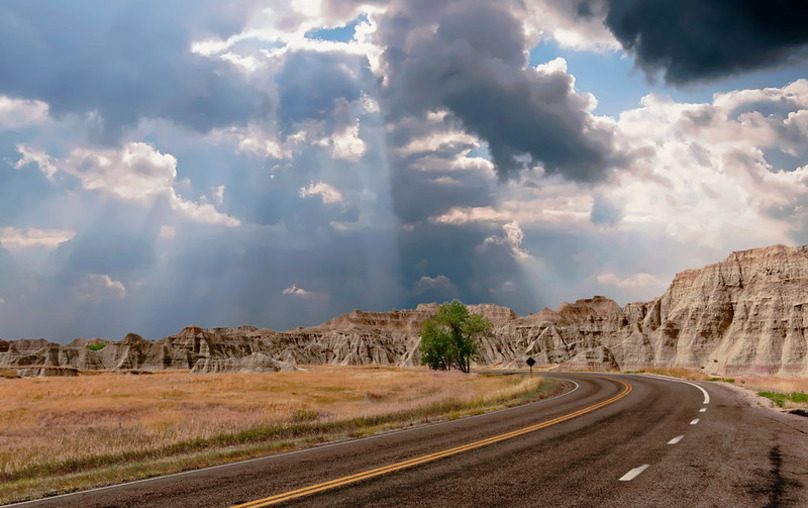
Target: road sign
[[530, 363]]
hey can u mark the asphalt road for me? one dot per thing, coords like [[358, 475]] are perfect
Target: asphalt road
[[611, 441]]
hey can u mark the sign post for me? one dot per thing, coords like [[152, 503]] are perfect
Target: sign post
[[530, 362]]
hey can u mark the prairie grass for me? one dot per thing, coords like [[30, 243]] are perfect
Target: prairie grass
[[59, 434]]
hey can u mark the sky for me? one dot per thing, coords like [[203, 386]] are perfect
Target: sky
[[277, 163]]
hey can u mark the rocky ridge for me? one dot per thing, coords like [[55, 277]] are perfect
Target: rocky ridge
[[747, 314]]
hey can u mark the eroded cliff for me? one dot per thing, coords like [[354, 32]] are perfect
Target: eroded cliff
[[746, 314]]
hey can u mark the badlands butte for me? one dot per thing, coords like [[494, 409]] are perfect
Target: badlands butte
[[746, 315]]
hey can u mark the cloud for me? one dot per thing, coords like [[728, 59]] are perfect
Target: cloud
[[21, 113], [38, 158], [437, 282], [146, 70], [99, 287], [468, 58], [437, 288], [26, 238], [137, 172], [346, 144], [574, 25], [708, 173], [303, 294], [328, 194], [634, 281], [512, 238], [218, 194], [691, 40]]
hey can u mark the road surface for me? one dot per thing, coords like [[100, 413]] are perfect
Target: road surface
[[609, 441]]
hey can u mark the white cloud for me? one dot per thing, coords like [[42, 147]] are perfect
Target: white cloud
[[705, 176], [41, 159], [99, 287], [137, 172], [218, 195], [346, 144], [21, 113], [560, 21], [26, 238], [438, 283], [256, 140], [512, 238], [634, 281], [438, 140], [303, 294], [328, 194]]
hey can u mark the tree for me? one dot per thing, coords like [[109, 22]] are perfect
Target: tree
[[449, 338]]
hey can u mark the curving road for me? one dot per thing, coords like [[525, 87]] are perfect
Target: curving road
[[610, 440]]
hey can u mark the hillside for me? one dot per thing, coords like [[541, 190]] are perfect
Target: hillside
[[743, 315]]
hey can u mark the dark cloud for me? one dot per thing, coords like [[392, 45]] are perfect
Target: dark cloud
[[125, 60], [469, 58], [690, 40]]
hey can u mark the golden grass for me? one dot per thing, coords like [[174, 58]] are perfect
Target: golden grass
[[64, 433], [776, 384]]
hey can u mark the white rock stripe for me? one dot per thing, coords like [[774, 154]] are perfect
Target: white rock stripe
[[694, 421], [676, 439], [634, 473]]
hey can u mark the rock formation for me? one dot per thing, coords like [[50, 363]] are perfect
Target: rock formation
[[747, 314]]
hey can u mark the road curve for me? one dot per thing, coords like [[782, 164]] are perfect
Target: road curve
[[611, 440]]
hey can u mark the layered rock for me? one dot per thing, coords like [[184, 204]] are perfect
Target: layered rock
[[746, 314]]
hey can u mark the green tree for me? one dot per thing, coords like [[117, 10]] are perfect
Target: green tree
[[449, 338]]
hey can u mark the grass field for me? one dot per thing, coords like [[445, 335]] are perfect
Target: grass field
[[59, 434]]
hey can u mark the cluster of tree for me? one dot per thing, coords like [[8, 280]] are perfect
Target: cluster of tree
[[449, 338]]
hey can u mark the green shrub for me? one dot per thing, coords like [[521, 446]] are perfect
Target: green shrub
[[799, 397], [98, 346]]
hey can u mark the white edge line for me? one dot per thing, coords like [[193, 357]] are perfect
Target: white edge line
[[676, 439], [293, 452], [674, 380], [634, 473]]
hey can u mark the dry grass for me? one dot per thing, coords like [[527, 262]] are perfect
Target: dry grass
[[776, 384], [63, 433]]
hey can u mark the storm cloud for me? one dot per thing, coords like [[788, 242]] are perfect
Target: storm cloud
[[689, 40], [470, 58]]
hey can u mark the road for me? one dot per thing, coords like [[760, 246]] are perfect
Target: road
[[609, 441]]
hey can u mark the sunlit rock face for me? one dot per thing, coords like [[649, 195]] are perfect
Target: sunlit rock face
[[744, 315]]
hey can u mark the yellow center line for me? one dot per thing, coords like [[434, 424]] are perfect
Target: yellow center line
[[423, 459]]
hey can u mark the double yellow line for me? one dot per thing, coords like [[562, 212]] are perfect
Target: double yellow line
[[372, 473]]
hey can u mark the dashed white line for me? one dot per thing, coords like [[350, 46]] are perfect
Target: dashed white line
[[703, 410], [676, 439], [634, 473], [694, 421]]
